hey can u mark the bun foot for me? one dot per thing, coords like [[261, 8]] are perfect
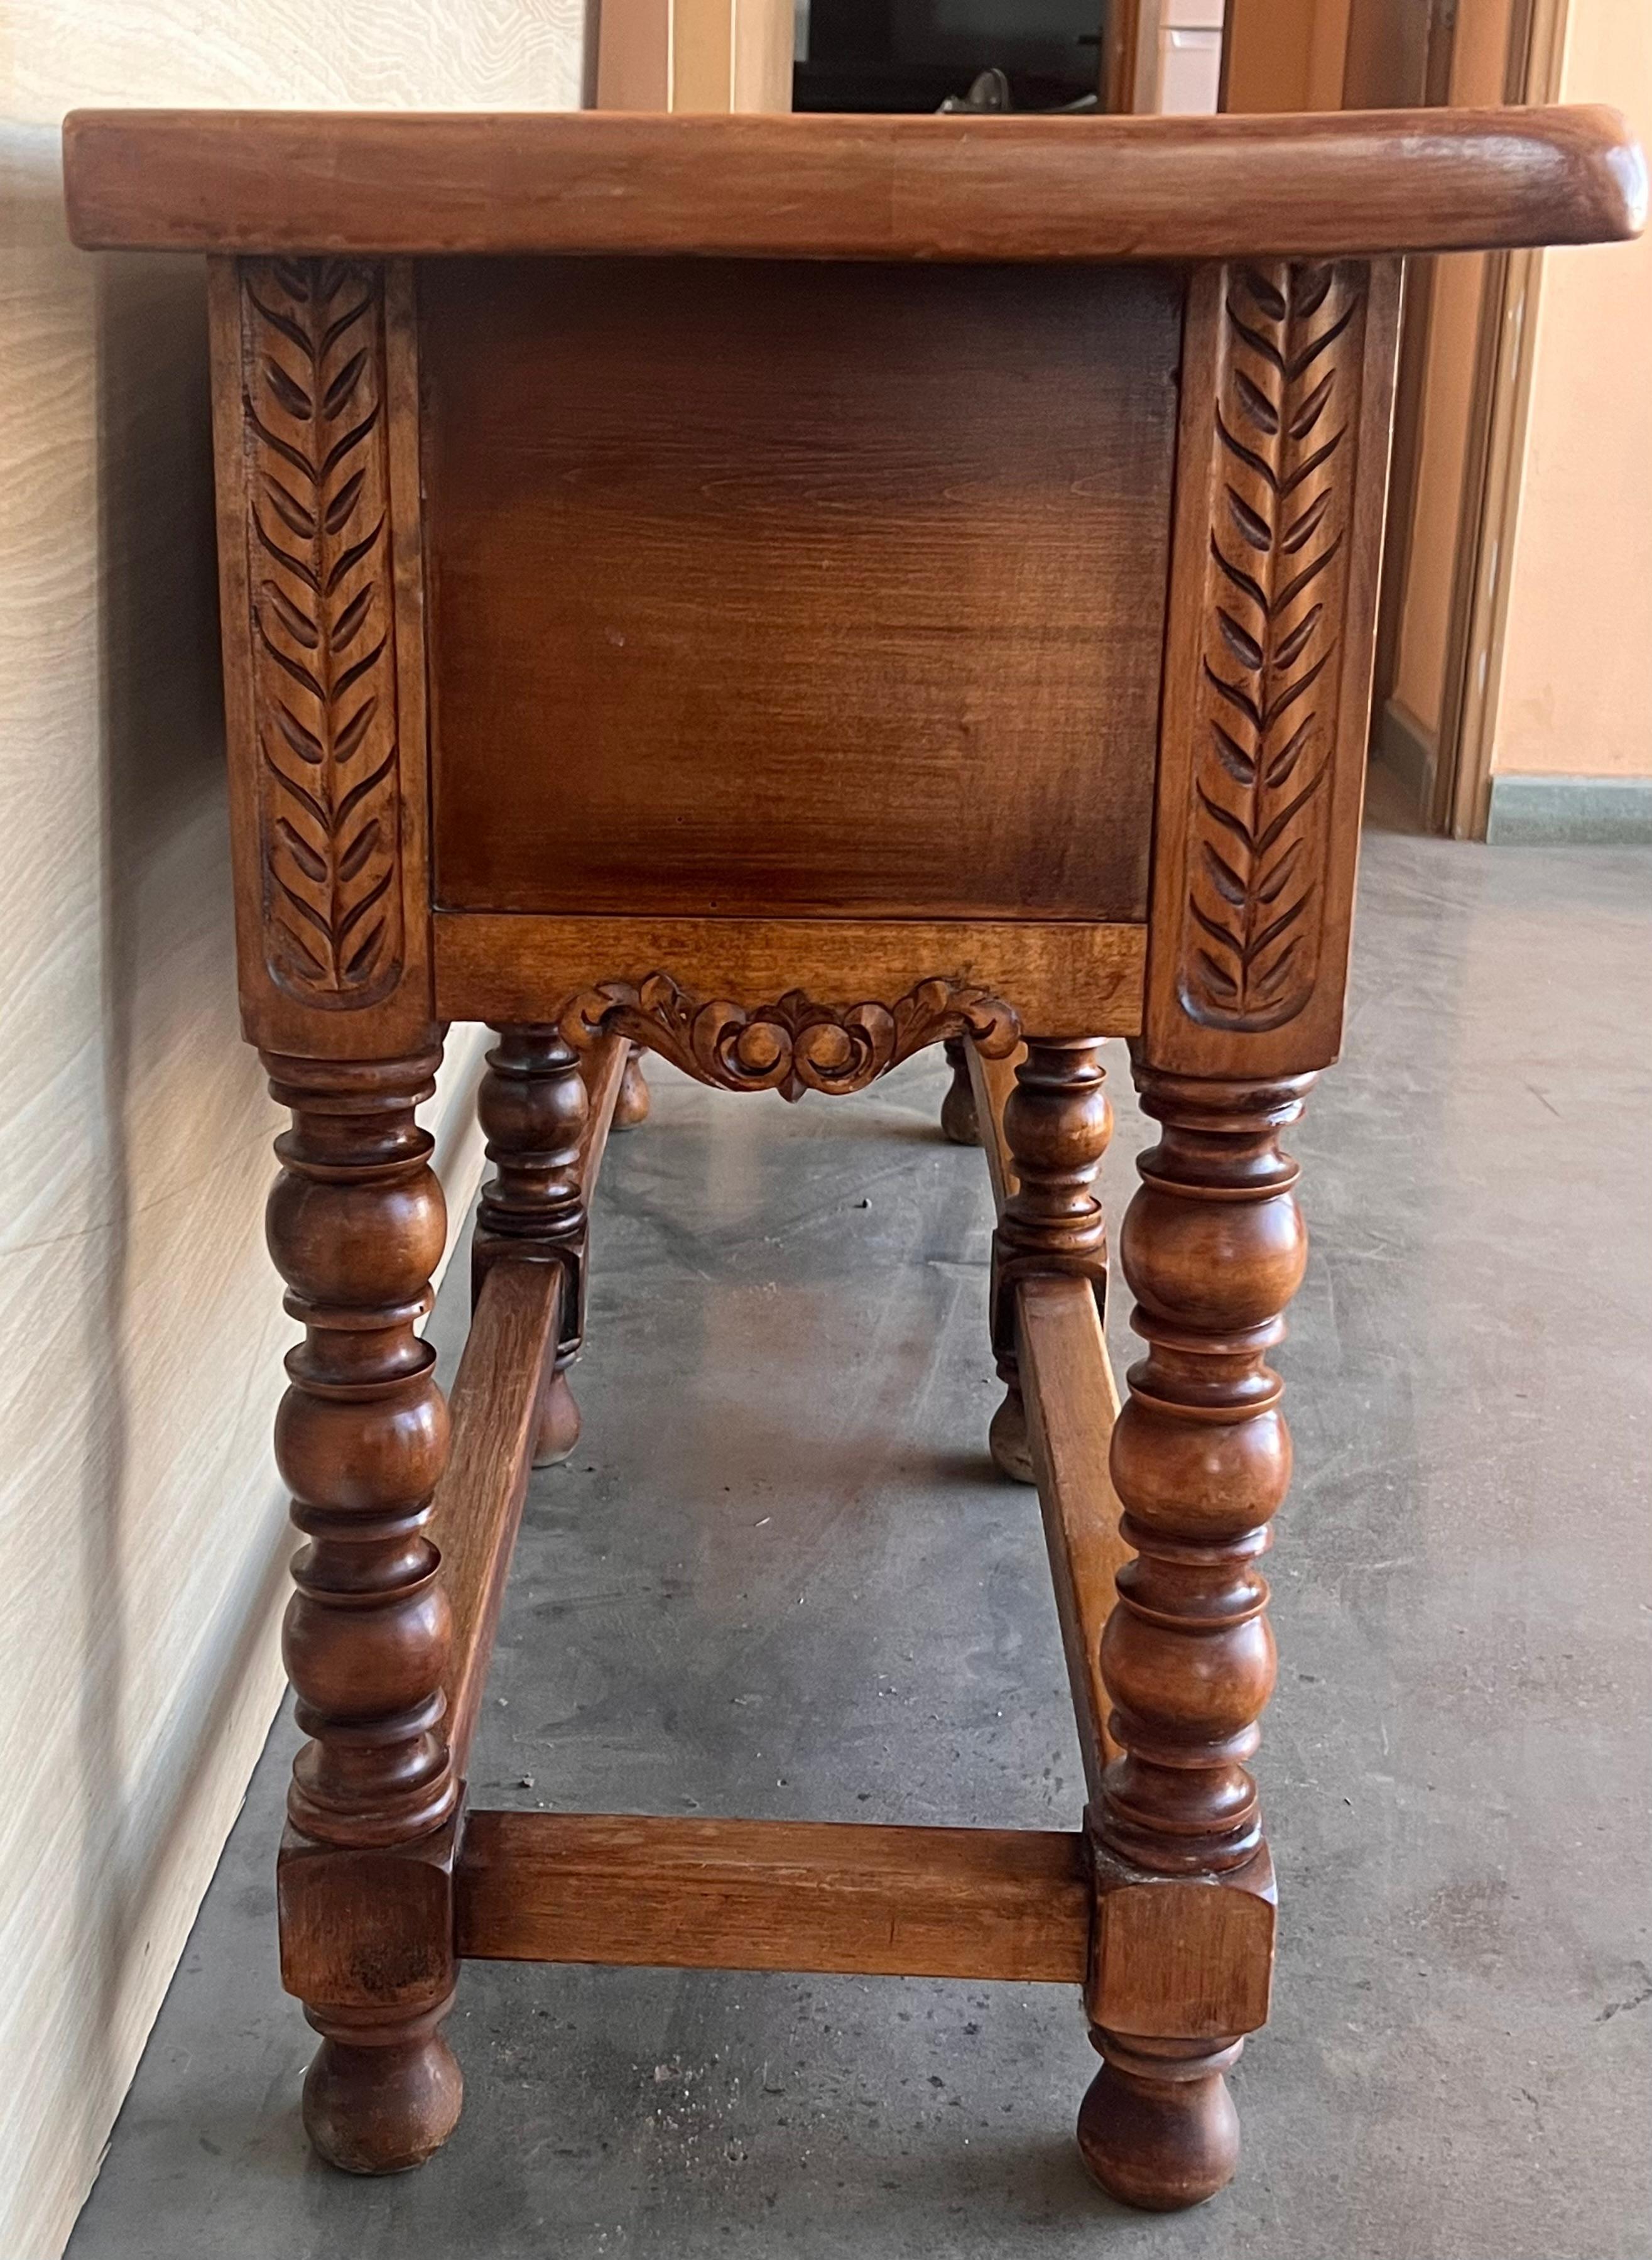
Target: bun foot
[[376, 2104], [559, 1422], [1006, 1439], [1157, 2127], [960, 1124], [634, 1102]]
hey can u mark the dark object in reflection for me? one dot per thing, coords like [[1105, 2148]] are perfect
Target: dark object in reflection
[[911, 55], [989, 96]]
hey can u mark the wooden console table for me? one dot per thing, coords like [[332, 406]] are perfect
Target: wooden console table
[[784, 592]]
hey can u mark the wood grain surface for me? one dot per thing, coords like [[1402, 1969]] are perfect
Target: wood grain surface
[[526, 968], [727, 619], [774, 1895], [854, 187], [494, 1405], [1072, 1401], [990, 1084]]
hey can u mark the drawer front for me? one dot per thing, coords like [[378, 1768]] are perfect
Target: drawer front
[[765, 588]]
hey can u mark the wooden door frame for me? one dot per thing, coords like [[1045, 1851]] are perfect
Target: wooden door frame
[[1410, 390], [1119, 46], [1495, 451], [697, 56]]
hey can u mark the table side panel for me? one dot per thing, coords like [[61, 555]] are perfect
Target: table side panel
[[1061, 978], [796, 590]]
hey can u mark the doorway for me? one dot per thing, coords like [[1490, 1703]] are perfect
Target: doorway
[[1460, 401]]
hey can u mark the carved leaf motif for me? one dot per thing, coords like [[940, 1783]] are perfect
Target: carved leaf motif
[[1286, 402], [323, 655], [791, 1045]]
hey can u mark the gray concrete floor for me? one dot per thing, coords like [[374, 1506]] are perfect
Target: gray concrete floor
[[779, 1578]]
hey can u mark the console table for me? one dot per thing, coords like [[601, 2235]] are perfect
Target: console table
[[783, 592]]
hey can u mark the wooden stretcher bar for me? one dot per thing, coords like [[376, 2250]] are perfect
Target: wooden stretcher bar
[[1072, 1401], [493, 1406], [478, 1508], [685, 1893]]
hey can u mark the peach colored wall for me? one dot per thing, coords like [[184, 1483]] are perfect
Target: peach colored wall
[[1574, 695]]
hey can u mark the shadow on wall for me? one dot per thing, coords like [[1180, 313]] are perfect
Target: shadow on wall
[[141, 1533], [167, 1026]]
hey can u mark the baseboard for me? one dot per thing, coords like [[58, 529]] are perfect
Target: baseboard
[[1574, 810], [1409, 750]]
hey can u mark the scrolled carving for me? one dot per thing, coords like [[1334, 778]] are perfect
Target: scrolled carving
[[1286, 402], [793, 1044], [322, 602]]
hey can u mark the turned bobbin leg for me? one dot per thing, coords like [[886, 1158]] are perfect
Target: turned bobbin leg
[[632, 1106], [1213, 1249], [532, 1106], [356, 1225], [959, 1123], [1057, 1121]]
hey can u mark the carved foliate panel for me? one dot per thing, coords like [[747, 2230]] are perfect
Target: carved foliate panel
[[1273, 631], [322, 620], [315, 410], [1287, 382], [794, 1044]]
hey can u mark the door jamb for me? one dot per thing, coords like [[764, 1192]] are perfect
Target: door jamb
[[1410, 386], [1492, 463]]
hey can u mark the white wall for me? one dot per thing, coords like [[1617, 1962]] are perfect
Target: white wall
[[142, 1535]]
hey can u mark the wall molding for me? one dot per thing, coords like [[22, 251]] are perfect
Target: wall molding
[[1409, 750], [1605, 811]]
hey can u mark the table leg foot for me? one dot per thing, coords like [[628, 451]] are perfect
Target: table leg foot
[[559, 1422], [1157, 2127], [959, 1122], [381, 2099], [633, 1102], [1006, 1436]]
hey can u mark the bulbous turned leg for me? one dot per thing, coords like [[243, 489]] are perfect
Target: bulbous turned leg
[[1213, 1249], [1057, 1123], [379, 2099], [533, 1106], [959, 1122], [1157, 2127], [632, 1106], [356, 1225]]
